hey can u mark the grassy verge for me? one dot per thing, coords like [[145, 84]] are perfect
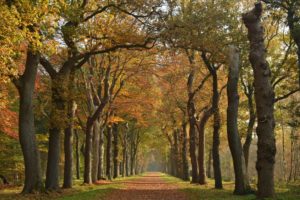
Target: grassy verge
[[78, 192], [197, 192]]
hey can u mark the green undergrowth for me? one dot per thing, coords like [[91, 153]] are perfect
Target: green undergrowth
[[199, 192], [78, 192]]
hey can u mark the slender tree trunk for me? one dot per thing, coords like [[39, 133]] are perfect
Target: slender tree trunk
[[124, 154], [217, 121], [215, 151], [252, 118], [101, 154], [95, 154], [192, 122], [209, 163], [191, 110], [116, 150], [77, 153], [25, 85], [234, 140], [127, 164], [185, 163], [176, 161], [88, 152], [108, 152], [264, 98]]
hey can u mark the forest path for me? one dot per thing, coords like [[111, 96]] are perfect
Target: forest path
[[149, 187]]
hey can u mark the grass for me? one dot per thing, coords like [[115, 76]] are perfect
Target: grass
[[78, 192], [199, 192]]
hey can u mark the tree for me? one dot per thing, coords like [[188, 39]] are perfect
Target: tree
[[241, 179], [264, 98]]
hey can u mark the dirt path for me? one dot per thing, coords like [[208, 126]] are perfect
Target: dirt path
[[149, 187]]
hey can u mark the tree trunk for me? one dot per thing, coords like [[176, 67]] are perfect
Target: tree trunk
[[252, 118], [201, 152], [4, 180], [264, 98], [185, 163], [124, 154], [101, 154], [58, 121], [95, 153], [215, 151], [25, 85], [209, 163], [116, 150], [192, 122], [234, 141], [88, 152], [294, 32], [69, 131], [127, 164], [77, 153], [191, 110], [108, 152], [176, 161]]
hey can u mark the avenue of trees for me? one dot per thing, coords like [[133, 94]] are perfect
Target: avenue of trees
[[199, 89]]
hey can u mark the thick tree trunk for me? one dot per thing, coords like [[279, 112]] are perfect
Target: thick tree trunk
[[116, 150], [68, 157], [108, 152], [101, 153], [95, 154], [25, 85], [69, 131], [58, 121], [234, 140], [201, 151], [88, 152], [264, 97], [185, 163], [77, 153], [294, 32]]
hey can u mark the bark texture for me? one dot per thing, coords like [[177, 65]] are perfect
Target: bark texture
[[234, 140], [60, 82], [192, 122], [95, 154], [116, 150], [88, 152], [264, 98], [25, 85], [108, 152], [69, 132], [185, 163], [201, 148]]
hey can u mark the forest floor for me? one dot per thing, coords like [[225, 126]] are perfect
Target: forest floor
[[149, 186]]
